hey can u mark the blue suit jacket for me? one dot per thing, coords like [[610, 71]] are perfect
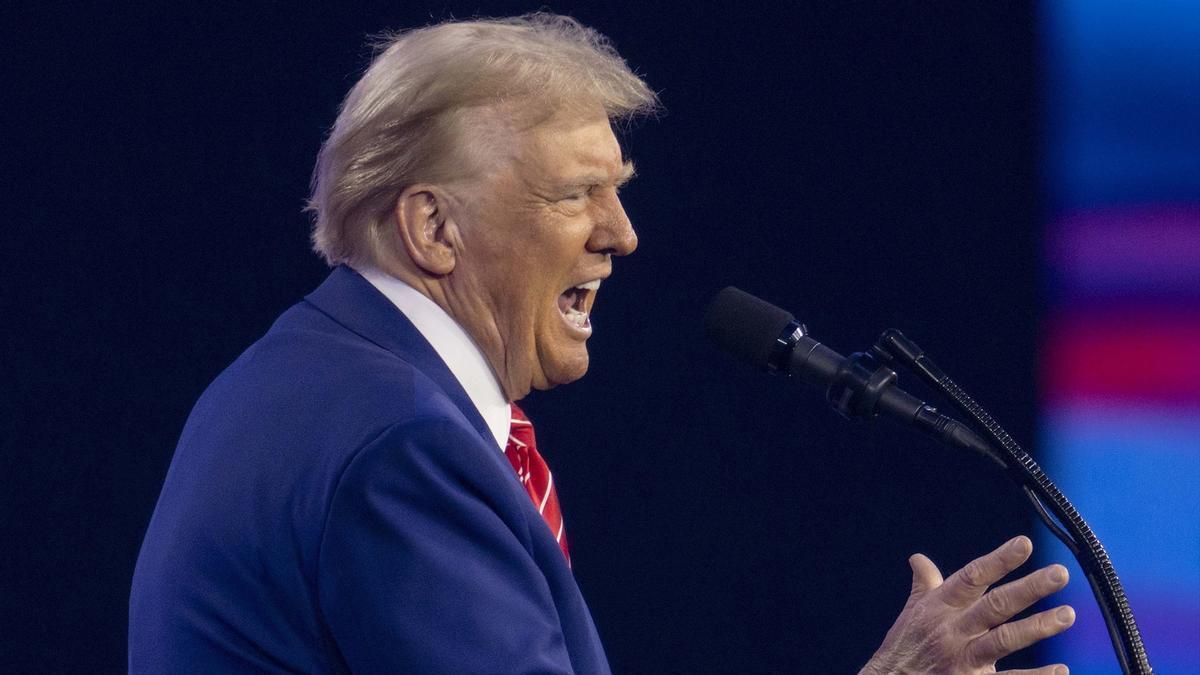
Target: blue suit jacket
[[337, 504]]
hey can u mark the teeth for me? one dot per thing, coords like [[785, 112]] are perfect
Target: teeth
[[592, 285], [576, 317]]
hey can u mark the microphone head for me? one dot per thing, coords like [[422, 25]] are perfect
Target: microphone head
[[745, 326]]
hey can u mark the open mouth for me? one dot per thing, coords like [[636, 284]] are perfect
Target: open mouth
[[576, 302]]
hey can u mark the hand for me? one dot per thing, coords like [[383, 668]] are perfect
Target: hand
[[960, 627]]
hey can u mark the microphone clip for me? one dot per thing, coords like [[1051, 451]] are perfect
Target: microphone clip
[[858, 385]]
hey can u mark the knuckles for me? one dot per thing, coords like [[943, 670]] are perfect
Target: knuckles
[[1006, 638], [997, 604], [941, 633], [974, 574]]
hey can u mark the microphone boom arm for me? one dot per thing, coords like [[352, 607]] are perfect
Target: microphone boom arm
[[863, 386], [1074, 532]]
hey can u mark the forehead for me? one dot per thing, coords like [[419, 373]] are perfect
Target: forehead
[[573, 143]]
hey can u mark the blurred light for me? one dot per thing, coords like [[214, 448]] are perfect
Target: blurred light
[[1132, 354], [1148, 251], [1121, 354]]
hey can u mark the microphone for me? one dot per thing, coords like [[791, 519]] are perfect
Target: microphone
[[771, 339], [754, 331]]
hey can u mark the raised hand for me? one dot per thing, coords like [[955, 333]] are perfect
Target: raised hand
[[959, 626]]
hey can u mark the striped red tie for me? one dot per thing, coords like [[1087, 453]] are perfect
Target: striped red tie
[[534, 475]]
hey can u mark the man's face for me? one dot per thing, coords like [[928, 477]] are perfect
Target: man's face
[[537, 238]]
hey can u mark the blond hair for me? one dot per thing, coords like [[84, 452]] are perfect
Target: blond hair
[[404, 121]]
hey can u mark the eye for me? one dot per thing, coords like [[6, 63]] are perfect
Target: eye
[[578, 195]]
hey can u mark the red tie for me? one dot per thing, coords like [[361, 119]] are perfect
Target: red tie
[[534, 475]]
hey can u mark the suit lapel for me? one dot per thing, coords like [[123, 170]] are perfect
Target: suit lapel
[[353, 302]]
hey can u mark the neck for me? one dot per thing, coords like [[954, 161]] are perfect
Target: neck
[[470, 313]]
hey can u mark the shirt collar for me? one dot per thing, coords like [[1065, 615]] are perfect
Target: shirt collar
[[460, 353]]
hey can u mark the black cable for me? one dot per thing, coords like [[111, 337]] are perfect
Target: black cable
[[1093, 559], [858, 387], [1050, 522]]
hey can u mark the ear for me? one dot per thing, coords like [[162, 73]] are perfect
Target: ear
[[426, 229]]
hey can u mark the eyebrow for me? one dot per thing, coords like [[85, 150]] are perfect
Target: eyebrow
[[627, 174]]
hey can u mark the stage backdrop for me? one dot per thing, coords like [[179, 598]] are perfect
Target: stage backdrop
[[1121, 349], [866, 165]]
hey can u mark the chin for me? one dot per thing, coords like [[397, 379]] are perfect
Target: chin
[[562, 371]]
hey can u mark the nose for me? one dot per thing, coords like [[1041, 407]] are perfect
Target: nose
[[613, 233]]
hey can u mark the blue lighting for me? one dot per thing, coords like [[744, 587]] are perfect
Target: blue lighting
[[1122, 170]]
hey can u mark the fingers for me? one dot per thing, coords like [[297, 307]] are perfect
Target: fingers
[[968, 584], [1010, 637], [1056, 669], [1002, 603], [925, 574]]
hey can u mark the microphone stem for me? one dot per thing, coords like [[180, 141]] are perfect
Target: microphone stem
[[858, 386]]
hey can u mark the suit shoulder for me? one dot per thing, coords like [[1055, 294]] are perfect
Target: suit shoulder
[[309, 368]]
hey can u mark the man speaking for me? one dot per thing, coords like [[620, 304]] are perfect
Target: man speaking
[[358, 491]]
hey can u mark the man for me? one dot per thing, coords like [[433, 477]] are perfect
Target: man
[[357, 493]]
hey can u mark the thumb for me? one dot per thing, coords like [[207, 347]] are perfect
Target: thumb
[[925, 574]]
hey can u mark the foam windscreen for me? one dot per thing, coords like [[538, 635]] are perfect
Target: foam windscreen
[[744, 326]]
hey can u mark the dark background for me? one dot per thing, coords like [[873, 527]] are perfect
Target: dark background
[[865, 164]]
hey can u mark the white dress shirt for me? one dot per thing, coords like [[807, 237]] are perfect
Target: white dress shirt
[[460, 353]]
